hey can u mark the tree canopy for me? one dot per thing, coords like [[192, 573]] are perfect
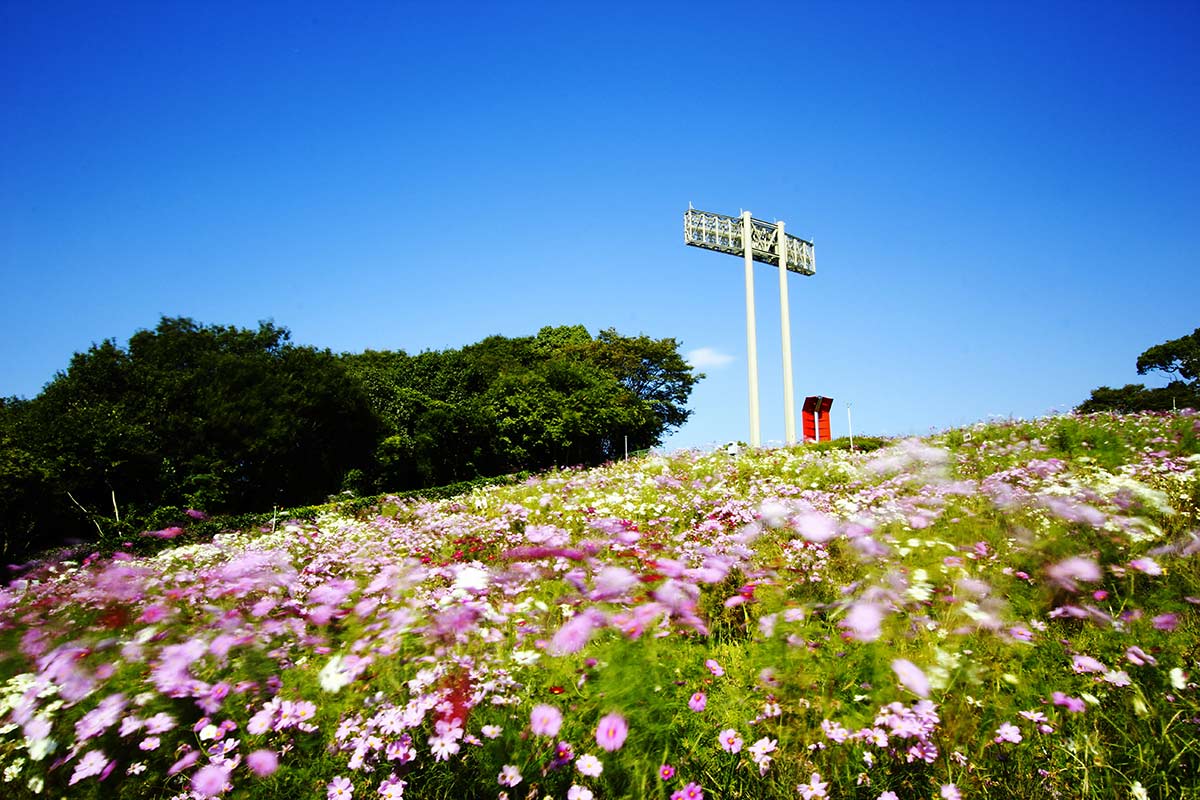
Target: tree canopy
[[226, 419], [1179, 358]]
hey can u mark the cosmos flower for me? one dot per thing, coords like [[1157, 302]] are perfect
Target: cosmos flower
[[544, 720], [611, 732]]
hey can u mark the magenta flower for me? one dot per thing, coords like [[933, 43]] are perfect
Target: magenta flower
[[714, 667], [690, 792], [666, 772], [545, 720], [697, 702], [611, 732]]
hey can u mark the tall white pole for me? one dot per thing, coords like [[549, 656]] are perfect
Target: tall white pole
[[785, 322], [751, 340]]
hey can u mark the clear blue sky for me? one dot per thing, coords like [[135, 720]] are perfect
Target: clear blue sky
[[1005, 197]]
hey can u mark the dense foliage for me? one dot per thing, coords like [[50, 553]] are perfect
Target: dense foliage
[[1000, 611], [230, 420], [1179, 358]]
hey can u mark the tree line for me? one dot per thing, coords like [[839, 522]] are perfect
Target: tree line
[[1178, 358], [229, 420]]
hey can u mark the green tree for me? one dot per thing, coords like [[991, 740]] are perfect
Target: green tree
[[223, 418], [1178, 357]]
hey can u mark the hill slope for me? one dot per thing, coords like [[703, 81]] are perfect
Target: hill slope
[[998, 611]]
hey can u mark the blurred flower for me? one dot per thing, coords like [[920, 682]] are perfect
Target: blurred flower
[[93, 762], [730, 741], [262, 762], [211, 780], [911, 677], [611, 732], [666, 772], [697, 702], [545, 720]]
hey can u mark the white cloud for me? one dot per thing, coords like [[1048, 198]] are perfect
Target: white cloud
[[708, 358]]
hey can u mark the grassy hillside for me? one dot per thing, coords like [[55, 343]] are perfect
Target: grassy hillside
[[1000, 611]]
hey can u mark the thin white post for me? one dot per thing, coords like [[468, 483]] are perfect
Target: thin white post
[[785, 322], [850, 426], [751, 340]]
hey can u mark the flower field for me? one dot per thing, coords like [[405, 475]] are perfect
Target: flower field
[[1006, 610]]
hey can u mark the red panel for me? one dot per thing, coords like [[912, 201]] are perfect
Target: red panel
[[816, 407]]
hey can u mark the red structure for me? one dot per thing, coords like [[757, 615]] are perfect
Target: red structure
[[816, 418]]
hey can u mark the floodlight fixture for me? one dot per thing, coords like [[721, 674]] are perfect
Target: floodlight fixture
[[767, 242]]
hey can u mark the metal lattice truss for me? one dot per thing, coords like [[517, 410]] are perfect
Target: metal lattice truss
[[725, 235]]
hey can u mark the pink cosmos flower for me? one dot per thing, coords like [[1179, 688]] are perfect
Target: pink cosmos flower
[[1082, 664], [863, 621], [1066, 572], [611, 732], [1139, 657], [574, 634], [1008, 733], [714, 667], [1147, 566], [187, 760], [814, 788], [577, 792], [951, 792], [509, 776], [697, 702], [911, 677], [730, 741], [545, 720], [211, 780], [666, 772], [93, 762], [1165, 622], [262, 762], [339, 788], [1072, 704], [690, 792]]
